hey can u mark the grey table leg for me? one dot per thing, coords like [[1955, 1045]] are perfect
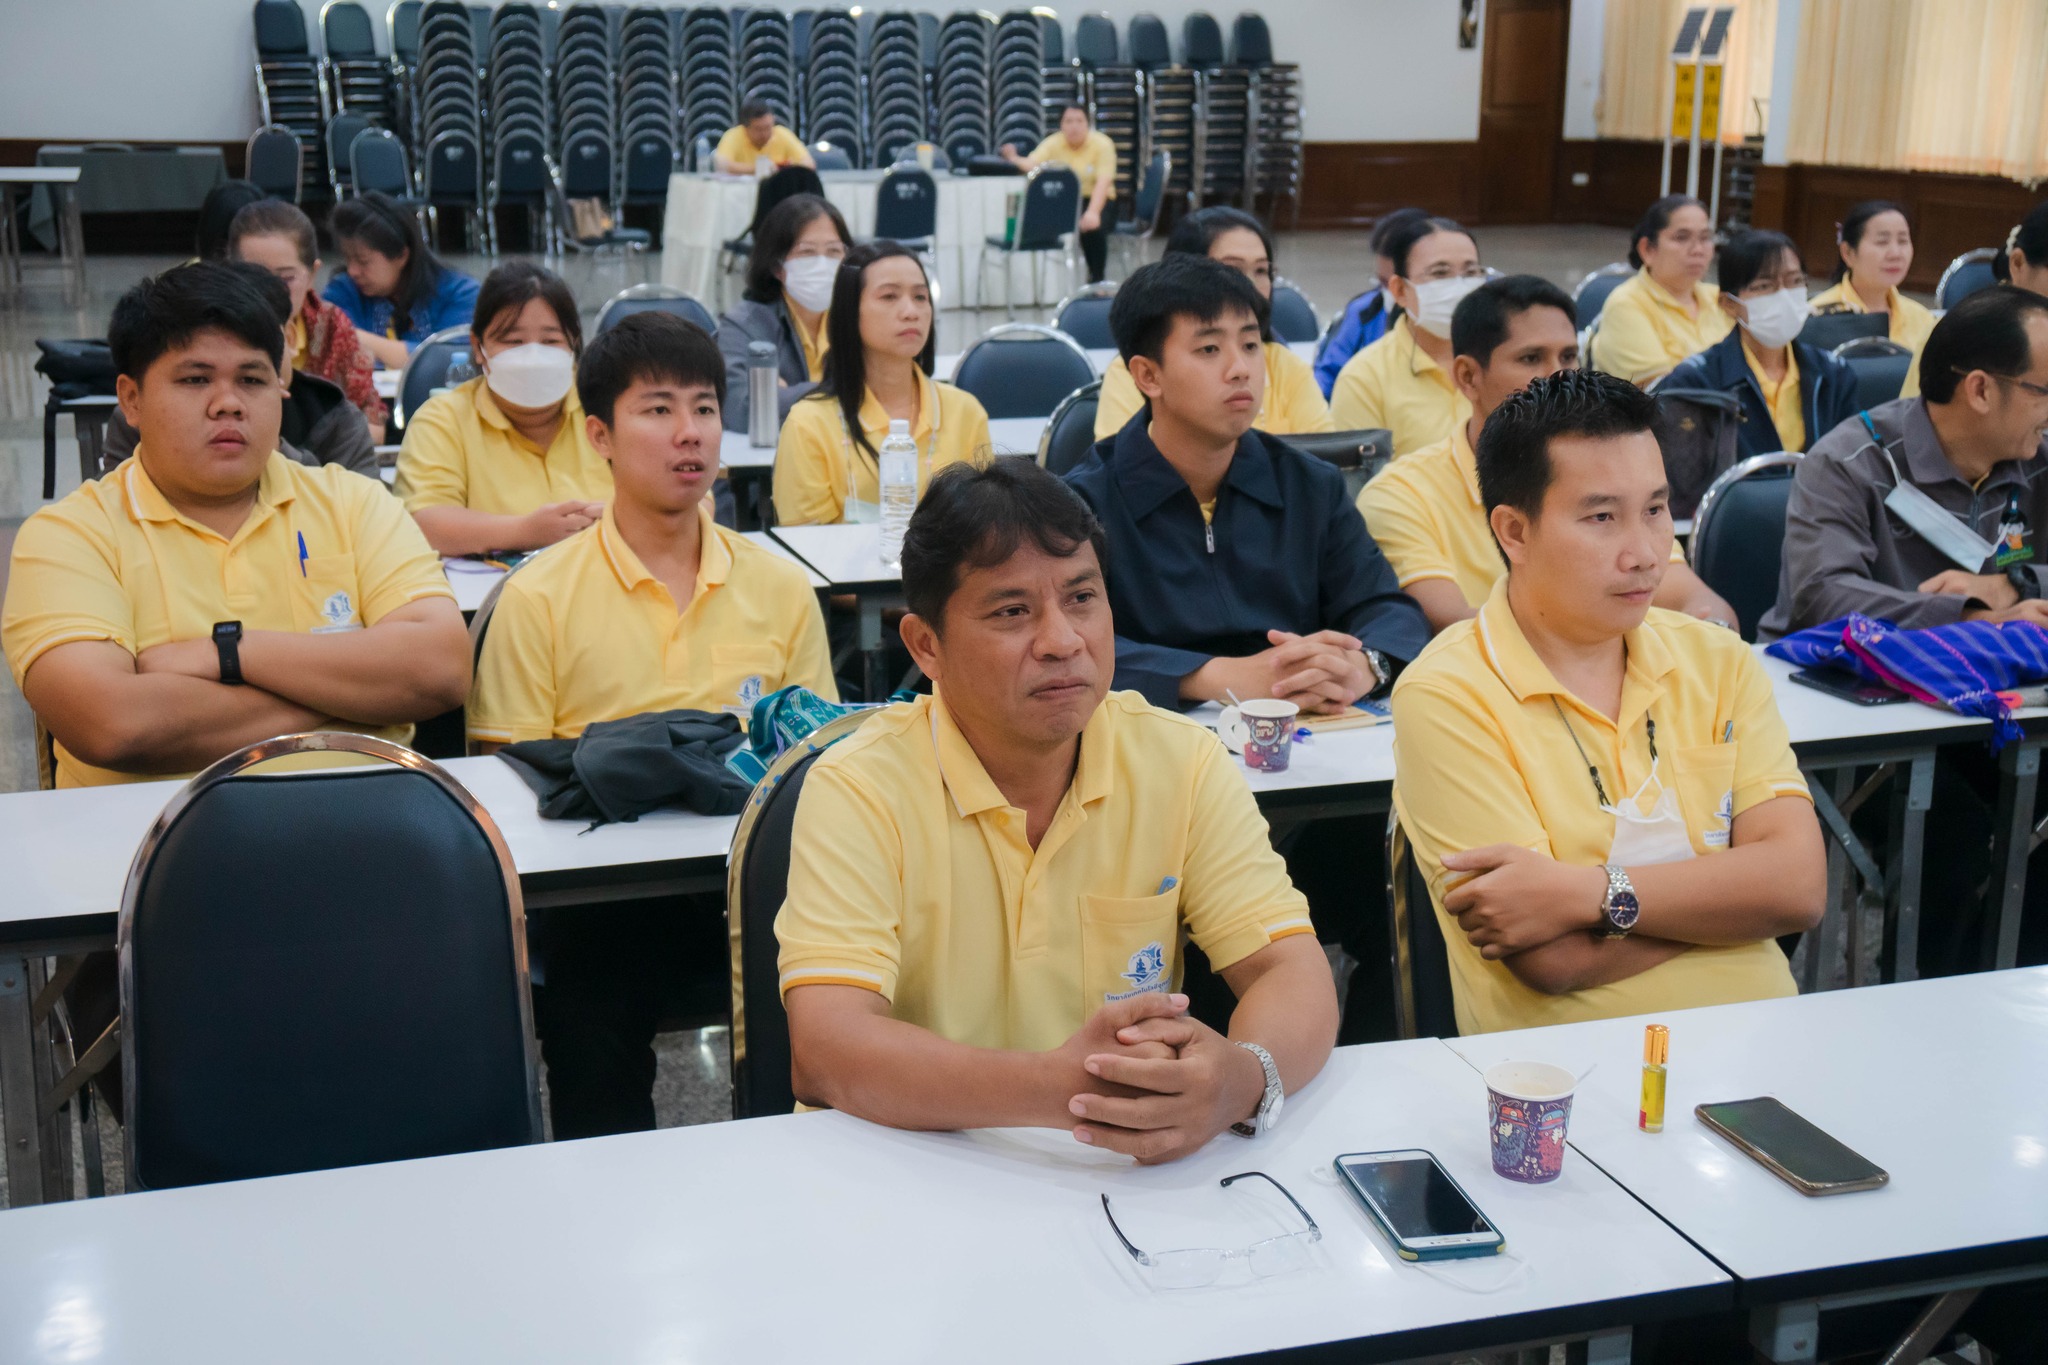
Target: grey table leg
[[71, 241], [874, 662], [19, 1119], [1608, 1348], [10, 241], [2019, 775], [1786, 1333], [1912, 796]]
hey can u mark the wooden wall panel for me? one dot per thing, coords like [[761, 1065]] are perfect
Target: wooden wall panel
[[1951, 214], [1349, 184]]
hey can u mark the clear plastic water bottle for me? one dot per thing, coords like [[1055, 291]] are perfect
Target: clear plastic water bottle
[[899, 489], [461, 369]]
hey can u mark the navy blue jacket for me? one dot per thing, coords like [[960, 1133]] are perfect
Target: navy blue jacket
[[1827, 391], [1287, 551]]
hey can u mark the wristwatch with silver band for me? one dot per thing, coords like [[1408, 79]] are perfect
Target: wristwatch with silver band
[[1270, 1103], [1382, 671], [1619, 909]]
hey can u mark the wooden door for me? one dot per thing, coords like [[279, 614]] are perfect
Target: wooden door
[[1521, 108]]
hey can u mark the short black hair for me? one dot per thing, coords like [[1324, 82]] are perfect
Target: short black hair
[[1389, 224], [1484, 316], [268, 285], [651, 347], [976, 516], [217, 214], [1751, 254], [1196, 234], [1178, 286], [1655, 219], [1986, 331], [778, 232], [512, 286], [275, 218], [379, 222], [1513, 453], [754, 109], [166, 311]]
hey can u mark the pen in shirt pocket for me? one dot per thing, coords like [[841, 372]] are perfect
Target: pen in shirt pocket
[[1728, 733], [302, 554]]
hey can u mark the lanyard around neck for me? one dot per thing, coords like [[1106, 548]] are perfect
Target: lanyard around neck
[[1599, 788]]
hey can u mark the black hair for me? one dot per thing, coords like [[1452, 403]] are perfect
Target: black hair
[[754, 109], [846, 363], [275, 218], [164, 312], [1076, 104], [2029, 237], [1402, 238], [1388, 224], [1513, 453], [648, 347], [1849, 232], [275, 295], [1986, 331], [1143, 310], [1751, 254], [217, 212], [1485, 315], [976, 516], [778, 233], [512, 286], [1655, 219], [375, 219], [1196, 233]]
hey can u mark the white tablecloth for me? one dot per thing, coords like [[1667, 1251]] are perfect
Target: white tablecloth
[[706, 211]]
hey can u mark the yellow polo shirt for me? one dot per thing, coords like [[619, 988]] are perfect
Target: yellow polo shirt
[[784, 147], [1489, 762], [1093, 160], [1644, 331], [1394, 384], [1781, 397], [1909, 324], [115, 561], [817, 465], [910, 874], [584, 633], [461, 450], [1426, 516], [814, 347], [1293, 402]]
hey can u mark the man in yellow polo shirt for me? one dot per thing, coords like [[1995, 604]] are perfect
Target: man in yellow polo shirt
[[755, 138], [654, 608], [209, 592], [1091, 156], [1600, 794], [989, 887], [1423, 509]]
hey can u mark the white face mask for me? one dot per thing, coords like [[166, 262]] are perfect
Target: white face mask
[[1775, 319], [808, 281], [531, 376], [1437, 300]]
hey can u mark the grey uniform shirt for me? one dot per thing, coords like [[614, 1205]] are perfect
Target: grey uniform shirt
[[1846, 551]]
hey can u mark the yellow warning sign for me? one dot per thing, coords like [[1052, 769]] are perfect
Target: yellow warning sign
[[1710, 103], [1682, 98]]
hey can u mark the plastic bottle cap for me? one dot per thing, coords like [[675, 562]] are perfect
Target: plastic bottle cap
[[898, 427], [1656, 1044]]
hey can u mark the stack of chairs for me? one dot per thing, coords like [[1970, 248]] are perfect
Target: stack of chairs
[[1168, 121], [1223, 97], [1273, 152], [708, 81], [360, 79], [1019, 80], [1114, 93], [447, 96], [647, 104], [961, 91], [767, 62], [897, 117], [586, 93], [832, 84], [520, 125], [291, 84]]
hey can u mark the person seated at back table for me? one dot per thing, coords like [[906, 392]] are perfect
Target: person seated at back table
[[1663, 313], [319, 339], [1600, 793], [1402, 382], [392, 286], [755, 138], [1293, 403], [877, 370], [2023, 261], [1091, 156], [1424, 510], [1236, 565], [989, 886], [1875, 243], [504, 461], [1365, 319], [1792, 394], [316, 423], [797, 251], [655, 608]]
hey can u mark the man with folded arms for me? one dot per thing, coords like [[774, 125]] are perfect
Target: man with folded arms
[[989, 886], [1600, 793]]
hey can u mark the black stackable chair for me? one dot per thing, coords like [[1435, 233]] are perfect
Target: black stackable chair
[[1070, 433], [1738, 534], [1881, 366], [1021, 369], [1424, 1005], [1084, 315]]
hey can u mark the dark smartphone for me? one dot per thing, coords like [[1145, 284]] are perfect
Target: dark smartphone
[[1837, 682], [1790, 1148], [1423, 1212]]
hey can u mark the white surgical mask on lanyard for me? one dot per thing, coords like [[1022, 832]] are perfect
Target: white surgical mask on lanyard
[[1437, 300], [1936, 524], [1640, 840], [808, 281], [1775, 319], [858, 511], [531, 376]]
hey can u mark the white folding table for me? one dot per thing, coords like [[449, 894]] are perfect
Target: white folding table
[[62, 182]]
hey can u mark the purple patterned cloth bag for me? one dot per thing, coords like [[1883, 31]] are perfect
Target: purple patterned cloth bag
[[1962, 667]]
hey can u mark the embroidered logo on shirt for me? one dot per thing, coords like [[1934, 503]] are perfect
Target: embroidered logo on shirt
[[2013, 532], [338, 610], [1725, 814], [750, 691], [1146, 972]]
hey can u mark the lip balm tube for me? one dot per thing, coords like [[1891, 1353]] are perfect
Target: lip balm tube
[[1656, 1051]]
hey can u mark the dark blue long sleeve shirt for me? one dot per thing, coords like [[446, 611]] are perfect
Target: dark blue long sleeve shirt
[[1287, 551]]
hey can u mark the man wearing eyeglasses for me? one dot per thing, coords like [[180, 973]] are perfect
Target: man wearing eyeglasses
[[990, 887]]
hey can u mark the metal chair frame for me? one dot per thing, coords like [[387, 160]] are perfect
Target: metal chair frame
[[998, 334], [1009, 252], [1973, 256], [1091, 391]]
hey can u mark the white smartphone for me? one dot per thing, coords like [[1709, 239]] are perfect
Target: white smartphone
[[1421, 1209]]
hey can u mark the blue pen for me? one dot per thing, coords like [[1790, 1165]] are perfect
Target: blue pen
[[302, 554], [1167, 884]]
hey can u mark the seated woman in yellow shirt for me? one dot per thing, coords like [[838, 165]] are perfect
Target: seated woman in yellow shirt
[[1092, 157], [502, 462], [1402, 382], [1294, 403], [877, 369], [1876, 244], [757, 137], [1664, 313]]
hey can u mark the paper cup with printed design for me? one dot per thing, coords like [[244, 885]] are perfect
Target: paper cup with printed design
[[1261, 730], [1528, 1106]]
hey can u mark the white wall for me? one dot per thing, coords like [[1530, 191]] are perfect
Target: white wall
[[1582, 69], [166, 70]]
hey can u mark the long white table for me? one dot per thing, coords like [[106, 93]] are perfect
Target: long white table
[[792, 1238], [1943, 1083], [61, 182]]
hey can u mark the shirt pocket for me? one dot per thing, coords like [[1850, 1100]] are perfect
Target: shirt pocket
[[1705, 775], [742, 674], [1129, 945], [327, 596]]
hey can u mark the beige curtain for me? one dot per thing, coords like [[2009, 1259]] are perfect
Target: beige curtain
[[1635, 70], [1924, 85]]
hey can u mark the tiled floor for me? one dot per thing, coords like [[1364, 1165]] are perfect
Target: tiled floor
[[1328, 267]]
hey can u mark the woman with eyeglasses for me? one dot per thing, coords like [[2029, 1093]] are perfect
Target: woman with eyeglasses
[[1402, 382], [878, 370], [1665, 312], [393, 288], [1293, 402], [797, 251]]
